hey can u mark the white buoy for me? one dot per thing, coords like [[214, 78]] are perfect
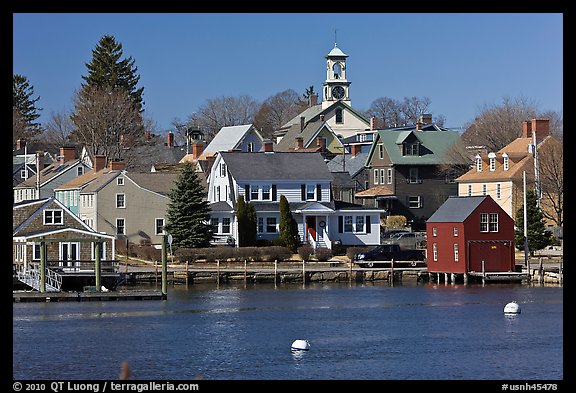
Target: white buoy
[[512, 308], [300, 345]]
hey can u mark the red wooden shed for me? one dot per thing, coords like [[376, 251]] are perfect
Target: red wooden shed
[[469, 235]]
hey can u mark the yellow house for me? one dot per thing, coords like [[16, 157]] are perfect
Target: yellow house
[[501, 174]]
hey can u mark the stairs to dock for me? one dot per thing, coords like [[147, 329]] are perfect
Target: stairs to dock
[[31, 277]]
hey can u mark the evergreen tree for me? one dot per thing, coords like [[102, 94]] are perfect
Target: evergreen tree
[[108, 70], [289, 237], [188, 214], [246, 217], [538, 237], [24, 108]]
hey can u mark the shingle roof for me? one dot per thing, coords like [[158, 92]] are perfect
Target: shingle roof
[[457, 209], [226, 139], [436, 143], [277, 166], [352, 164], [160, 182]]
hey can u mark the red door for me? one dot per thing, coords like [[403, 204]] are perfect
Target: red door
[[311, 226]]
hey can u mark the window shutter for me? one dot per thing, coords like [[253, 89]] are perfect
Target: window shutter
[[303, 191], [247, 192], [340, 224], [318, 192], [274, 196], [368, 226]]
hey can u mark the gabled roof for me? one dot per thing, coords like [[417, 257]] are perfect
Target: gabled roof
[[310, 131], [457, 209], [278, 166], [34, 209], [83, 180], [313, 113], [352, 164], [228, 138], [158, 182], [49, 173], [435, 145]]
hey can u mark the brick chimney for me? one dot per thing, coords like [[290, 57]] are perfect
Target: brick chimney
[[268, 146], [67, 153], [373, 123], [117, 165], [355, 149], [426, 118], [312, 100], [99, 162], [170, 139], [20, 143], [542, 129], [197, 149], [526, 129], [321, 117], [298, 143]]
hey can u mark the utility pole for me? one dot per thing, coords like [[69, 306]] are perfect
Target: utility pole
[[526, 249]]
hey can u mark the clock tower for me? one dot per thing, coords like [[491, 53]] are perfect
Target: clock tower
[[336, 87]]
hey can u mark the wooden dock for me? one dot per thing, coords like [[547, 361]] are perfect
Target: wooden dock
[[35, 296]]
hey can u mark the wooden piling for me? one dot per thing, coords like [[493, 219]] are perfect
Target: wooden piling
[[164, 267], [275, 271]]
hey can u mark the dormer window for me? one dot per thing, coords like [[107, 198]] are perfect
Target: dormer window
[[412, 149], [506, 161], [492, 158], [478, 163]]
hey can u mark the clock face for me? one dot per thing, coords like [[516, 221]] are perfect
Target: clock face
[[338, 92]]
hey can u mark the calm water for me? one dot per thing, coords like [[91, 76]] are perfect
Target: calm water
[[363, 331]]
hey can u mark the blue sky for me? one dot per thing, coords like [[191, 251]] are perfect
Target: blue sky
[[461, 61]]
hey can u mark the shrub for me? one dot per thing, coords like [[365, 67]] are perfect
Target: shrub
[[276, 253], [395, 222], [323, 254], [305, 251]]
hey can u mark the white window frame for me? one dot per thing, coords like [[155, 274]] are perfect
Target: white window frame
[[413, 176], [389, 176], [381, 151], [123, 201], [478, 163], [51, 217], [414, 204], [456, 256], [493, 222], [123, 226], [484, 189], [469, 189], [382, 176], [376, 176], [311, 196], [156, 221], [435, 252], [484, 222], [269, 224], [119, 181], [498, 191], [266, 189], [506, 161], [455, 231], [226, 228], [434, 232]]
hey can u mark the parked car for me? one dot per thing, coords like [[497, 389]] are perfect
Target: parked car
[[383, 254], [408, 240]]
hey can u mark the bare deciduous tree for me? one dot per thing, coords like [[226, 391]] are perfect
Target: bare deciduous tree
[[224, 112], [551, 174], [107, 122], [277, 110], [58, 128], [394, 113], [498, 125]]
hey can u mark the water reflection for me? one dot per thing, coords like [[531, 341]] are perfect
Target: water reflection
[[298, 355]]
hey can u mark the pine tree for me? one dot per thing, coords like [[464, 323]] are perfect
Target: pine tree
[[188, 214], [289, 237], [246, 217], [108, 70], [24, 106], [538, 237]]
